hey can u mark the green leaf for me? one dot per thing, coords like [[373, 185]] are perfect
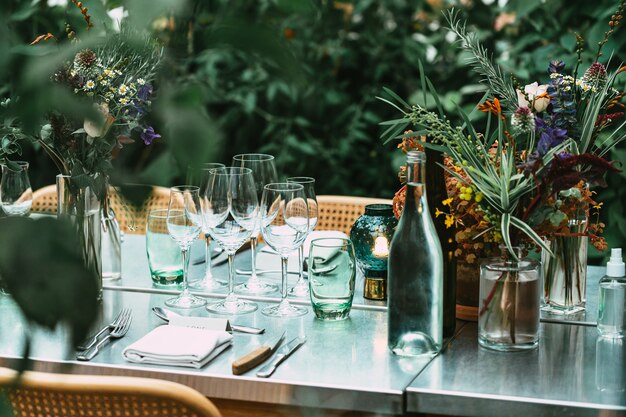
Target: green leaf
[[42, 266], [505, 228], [397, 98], [525, 228]]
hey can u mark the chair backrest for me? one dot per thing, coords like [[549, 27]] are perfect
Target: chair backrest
[[338, 212], [58, 395], [130, 218]]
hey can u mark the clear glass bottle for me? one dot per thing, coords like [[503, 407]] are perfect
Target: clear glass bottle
[[415, 272], [612, 304]]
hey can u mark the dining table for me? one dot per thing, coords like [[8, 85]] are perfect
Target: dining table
[[345, 367]]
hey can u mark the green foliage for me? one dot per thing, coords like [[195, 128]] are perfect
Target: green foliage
[[42, 268], [298, 78]]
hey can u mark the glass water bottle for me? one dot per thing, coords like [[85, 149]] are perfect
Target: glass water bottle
[[415, 272]]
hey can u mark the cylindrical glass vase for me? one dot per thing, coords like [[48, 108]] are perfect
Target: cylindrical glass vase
[[565, 278], [510, 290], [83, 206], [111, 245]]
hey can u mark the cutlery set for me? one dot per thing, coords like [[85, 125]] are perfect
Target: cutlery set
[[119, 329], [120, 325]]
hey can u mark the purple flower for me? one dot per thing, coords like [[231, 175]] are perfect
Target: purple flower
[[148, 135], [549, 137], [145, 91]]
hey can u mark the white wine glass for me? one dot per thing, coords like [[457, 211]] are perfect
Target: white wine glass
[[264, 172], [184, 223], [284, 226], [199, 176], [232, 213], [16, 194], [301, 289]]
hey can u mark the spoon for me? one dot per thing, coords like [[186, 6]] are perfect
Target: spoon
[[165, 314]]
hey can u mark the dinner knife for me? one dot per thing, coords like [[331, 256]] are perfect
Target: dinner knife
[[282, 354], [257, 356]]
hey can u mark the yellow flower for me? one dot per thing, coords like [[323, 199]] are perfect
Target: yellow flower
[[478, 197], [438, 212], [449, 221], [447, 201], [597, 206]]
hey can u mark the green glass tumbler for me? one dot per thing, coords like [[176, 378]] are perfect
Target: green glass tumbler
[[164, 257], [332, 273]]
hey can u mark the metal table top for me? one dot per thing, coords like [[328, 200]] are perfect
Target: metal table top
[[342, 366], [572, 373], [136, 274]]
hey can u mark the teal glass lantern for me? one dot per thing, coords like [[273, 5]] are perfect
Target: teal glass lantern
[[371, 235]]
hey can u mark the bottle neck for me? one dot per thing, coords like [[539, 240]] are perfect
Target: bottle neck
[[416, 185]]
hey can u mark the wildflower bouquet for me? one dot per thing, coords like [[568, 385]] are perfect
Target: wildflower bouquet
[[116, 77], [528, 169], [112, 77]]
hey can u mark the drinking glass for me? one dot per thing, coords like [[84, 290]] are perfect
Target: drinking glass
[[16, 195], [164, 258], [184, 223], [301, 289], [284, 226], [263, 172], [232, 213], [199, 176], [332, 272]]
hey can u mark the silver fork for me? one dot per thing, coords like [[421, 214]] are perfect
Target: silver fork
[[95, 338], [119, 331]]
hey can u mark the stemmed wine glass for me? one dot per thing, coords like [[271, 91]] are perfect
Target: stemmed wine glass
[[263, 172], [284, 226], [232, 213], [301, 289], [184, 223], [199, 176], [16, 194]]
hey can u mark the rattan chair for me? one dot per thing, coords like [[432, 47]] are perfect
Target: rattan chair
[[130, 218], [338, 212], [58, 395]]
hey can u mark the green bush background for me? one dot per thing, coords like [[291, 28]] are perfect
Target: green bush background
[[298, 79]]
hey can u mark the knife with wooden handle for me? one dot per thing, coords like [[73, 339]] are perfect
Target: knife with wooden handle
[[257, 356]]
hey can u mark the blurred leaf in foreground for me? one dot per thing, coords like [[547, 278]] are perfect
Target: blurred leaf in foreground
[[42, 268]]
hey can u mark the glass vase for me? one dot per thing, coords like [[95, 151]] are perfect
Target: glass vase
[[565, 284], [510, 290], [111, 244], [82, 206]]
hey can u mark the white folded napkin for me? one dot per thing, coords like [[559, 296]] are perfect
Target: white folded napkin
[[178, 346]]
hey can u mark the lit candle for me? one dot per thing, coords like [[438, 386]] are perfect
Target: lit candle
[[381, 247]]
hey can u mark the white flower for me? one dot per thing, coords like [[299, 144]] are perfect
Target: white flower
[[89, 85], [122, 90], [108, 73], [537, 94], [124, 100], [141, 81], [99, 128]]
